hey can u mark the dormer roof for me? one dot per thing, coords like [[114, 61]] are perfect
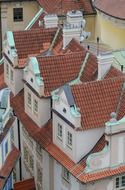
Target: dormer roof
[[96, 100], [112, 8]]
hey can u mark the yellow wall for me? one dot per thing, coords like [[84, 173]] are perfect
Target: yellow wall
[[90, 25], [29, 10], [110, 33]]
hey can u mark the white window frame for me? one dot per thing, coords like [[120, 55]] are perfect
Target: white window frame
[[35, 106], [69, 139], [59, 131], [11, 75], [120, 182], [66, 175], [29, 99], [7, 70]]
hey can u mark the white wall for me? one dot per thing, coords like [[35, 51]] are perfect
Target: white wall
[[43, 107]]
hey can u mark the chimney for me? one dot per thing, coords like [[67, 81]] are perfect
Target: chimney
[[105, 60], [51, 21], [73, 27]]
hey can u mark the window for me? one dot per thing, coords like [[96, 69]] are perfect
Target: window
[[29, 99], [6, 148], [39, 175], [66, 175], [17, 14], [35, 106], [11, 75], [120, 182], [69, 139], [59, 133], [7, 70], [25, 154]]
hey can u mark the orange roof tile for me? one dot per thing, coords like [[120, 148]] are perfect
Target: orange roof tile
[[2, 84], [30, 42], [9, 165], [97, 100], [61, 7], [28, 184]]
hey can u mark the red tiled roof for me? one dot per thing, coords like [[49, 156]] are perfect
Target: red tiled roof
[[114, 8], [9, 165], [31, 42], [113, 72], [70, 63], [40, 18], [97, 100], [61, 7], [28, 184]]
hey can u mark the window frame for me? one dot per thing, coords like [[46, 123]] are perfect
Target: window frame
[[66, 175], [35, 106], [120, 182], [18, 14], [59, 131], [29, 99], [69, 139]]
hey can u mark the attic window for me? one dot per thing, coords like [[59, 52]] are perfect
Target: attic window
[[64, 110], [31, 79]]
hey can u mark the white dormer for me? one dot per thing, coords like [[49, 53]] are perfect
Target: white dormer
[[36, 106], [33, 77], [113, 153], [10, 49], [67, 131]]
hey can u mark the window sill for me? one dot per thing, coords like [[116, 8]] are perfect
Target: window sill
[[59, 138], [70, 147]]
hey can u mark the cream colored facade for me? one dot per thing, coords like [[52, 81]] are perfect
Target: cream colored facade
[[30, 8], [110, 30]]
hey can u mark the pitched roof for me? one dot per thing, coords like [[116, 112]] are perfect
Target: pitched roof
[[9, 165], [32, 42], [6, 128], [113, 8], [61, 7], [28, 184], [97, 100]]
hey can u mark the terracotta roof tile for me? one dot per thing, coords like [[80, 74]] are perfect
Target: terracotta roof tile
[[113, 7], [9, 165], [61, 7], [36, 23], [113, 72], [30, 42], [97, 100], [28, 184]]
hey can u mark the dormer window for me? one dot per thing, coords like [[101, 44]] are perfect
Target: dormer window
[[66, 175], [29, 99], [35, 106], [11, 75], [120, 182], [69, 139], [59, 132]]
